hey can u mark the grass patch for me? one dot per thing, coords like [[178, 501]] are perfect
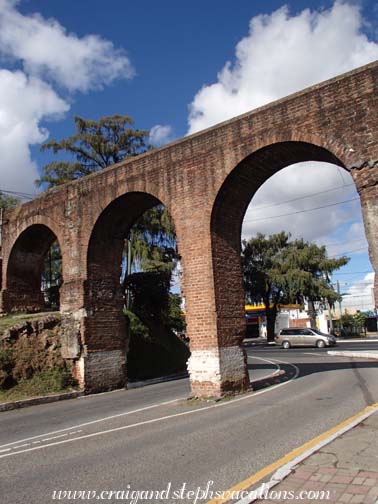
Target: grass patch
[[149, 357], [45, 383], [13, 319]]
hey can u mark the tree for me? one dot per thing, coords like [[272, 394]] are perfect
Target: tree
[[278, 271], [94, 146], [52, 275], [8, 202], [311, 272], [151, 242], [263, 277]]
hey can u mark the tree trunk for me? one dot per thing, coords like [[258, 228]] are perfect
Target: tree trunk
[[271, 314], [311, 313]]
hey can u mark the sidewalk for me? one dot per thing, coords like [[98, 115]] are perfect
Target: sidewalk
[[340, 466], [343, 471]]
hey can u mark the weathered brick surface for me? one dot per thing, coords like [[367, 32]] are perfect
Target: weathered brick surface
[[206, 180]]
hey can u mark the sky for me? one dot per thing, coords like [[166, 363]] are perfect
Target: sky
[[178, 68]]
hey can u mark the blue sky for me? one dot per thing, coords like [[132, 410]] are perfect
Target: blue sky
[[165, 64]]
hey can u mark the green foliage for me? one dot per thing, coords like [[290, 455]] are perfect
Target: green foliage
[[154, 349], [6, 366], [346, 320], [176, 320], [31, 360], [153, 241], [47, 382], [52, 278], [359, 319], [148, 358], [53, 380], [94, 146], [8, 202], [137, 328], [279, 271], [264, 277], [150, 295]]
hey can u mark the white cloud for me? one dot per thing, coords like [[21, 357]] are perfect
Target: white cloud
[[48, 59], [280, 55], [24, 102], [354, 239], [283, 54], [323, 183], [160, 134], [48, 51], [359, 296]]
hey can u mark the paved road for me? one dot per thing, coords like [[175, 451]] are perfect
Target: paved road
[[180, 442]]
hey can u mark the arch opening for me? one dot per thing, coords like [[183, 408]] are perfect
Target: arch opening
[[34, 271], [130, 265], [227, 219]]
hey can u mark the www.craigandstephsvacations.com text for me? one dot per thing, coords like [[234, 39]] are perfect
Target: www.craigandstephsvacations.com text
[[184, 493]]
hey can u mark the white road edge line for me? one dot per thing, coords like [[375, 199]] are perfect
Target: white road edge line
[[160, 419], [93, 422], [104, 419], [271, 375]]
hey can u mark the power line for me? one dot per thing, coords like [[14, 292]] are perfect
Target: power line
[[356, 283], [348, 252], [301, 211], [18, 194], [353, 273], [355, 295], [258, 207], [342, 243]]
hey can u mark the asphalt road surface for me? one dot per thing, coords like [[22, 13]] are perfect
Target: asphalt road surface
[[153, 439]]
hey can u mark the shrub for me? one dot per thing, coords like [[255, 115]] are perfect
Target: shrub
[[6, 367]]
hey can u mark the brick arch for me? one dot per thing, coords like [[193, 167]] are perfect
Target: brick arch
[[344, 154], [227, 216], [41, 220], [132, 198], [105, 244], [103, 298], [25, 266]]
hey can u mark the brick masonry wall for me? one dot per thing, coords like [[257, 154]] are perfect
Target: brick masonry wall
[[206, 180]]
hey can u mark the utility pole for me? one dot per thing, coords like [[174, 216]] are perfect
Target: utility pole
[[338, 291], [330, 317]]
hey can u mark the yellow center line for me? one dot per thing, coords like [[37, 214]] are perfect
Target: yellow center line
[[255, 478]]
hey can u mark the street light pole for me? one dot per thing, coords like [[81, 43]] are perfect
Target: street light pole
[[338, 291]]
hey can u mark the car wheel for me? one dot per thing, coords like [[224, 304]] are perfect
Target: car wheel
[[285, 345], [320, 344]]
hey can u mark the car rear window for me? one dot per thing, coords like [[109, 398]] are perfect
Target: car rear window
[[288, 331]]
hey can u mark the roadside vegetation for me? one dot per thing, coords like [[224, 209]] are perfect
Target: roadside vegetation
[[278, 270], [31, 364]]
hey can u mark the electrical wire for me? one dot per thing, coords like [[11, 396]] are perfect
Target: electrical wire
[[301, 211], [348, 252], [258, 207]]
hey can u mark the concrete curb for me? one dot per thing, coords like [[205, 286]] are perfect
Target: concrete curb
[[364, 354], [285, 470], [268, 380], [39, 400]]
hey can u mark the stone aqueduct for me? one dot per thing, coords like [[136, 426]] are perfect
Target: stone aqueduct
[[206, 180]]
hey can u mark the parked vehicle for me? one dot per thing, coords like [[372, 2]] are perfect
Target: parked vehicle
[[306, 336]]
